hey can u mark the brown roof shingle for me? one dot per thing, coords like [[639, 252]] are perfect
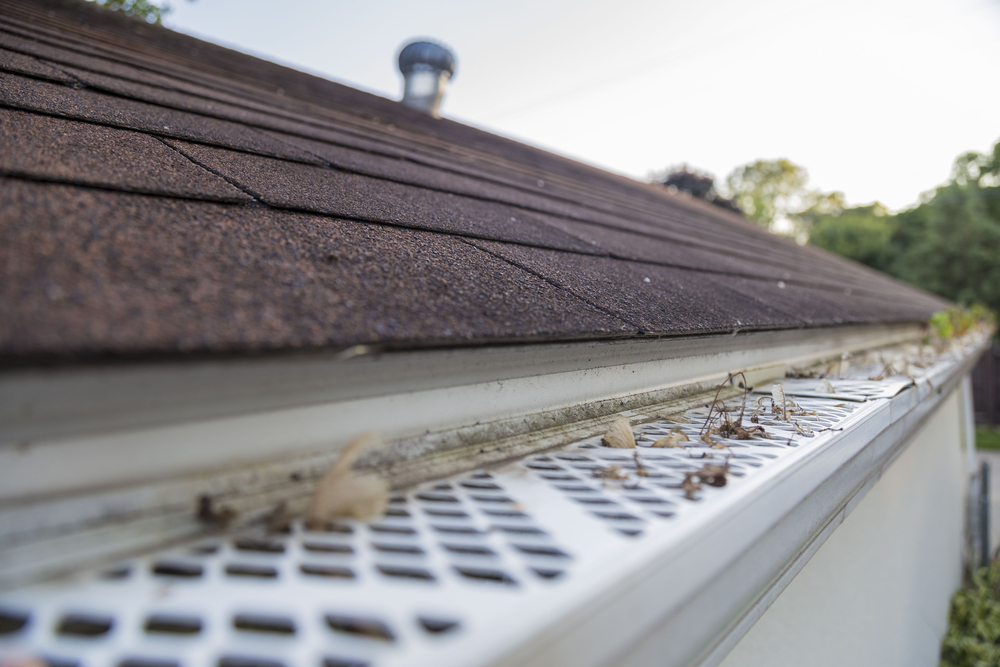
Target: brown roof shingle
[[163, 195]]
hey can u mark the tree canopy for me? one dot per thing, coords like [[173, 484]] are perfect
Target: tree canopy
[[700, 184], [768, 191], [948, 244], [146, 10]]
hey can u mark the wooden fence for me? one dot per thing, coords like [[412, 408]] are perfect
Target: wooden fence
[[986, 387]]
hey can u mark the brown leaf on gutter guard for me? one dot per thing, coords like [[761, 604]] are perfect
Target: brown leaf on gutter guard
[[611, 472], [691, 485], [279, 520], [672, 439], [713, 475], [345, 493], [214, 516], [619, 435], [640, 469]]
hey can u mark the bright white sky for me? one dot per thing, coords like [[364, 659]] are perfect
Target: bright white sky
[[874, 97]]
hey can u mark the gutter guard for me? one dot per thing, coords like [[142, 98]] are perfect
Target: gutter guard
[[534, 562]]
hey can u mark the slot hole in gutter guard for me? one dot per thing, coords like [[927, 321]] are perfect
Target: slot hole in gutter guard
[[488, 575], [369, 628], [328, 548], [254, 571], [173, 625], [177, 569], [259, 545], [405, 549], [344, 662], [330, 571], [540, 550], [248, 661], [482, 486], [452, 514], [437, 626], [148, 662], [84, 625], [12, 621], [507, 514], [469, 549], [521, 530], [278, 625], [436, 497], [414, 573], [392, 530]]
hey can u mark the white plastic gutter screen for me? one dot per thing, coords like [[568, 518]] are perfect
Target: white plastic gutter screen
[[457, 573]]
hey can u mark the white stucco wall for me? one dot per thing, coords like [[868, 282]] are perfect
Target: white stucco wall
[[877, 592]]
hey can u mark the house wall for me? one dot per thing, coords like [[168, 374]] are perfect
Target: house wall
[[877, 592]]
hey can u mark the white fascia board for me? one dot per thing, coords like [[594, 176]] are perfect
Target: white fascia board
[[65, 431]]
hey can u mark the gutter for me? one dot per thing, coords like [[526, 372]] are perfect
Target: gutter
[[628, 588]]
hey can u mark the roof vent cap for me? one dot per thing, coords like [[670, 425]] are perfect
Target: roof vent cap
[[427, 67]]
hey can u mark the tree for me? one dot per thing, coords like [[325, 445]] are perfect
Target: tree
[[696, 183], [141, 9], [769, 192], [860, 233], [948, 244]]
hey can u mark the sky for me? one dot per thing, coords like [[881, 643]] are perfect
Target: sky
[[875, 98]]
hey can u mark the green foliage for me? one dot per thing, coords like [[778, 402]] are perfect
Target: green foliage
[[141, 9], [957, 320], [700, 184], [768, 191], [949, 244], [861, 233], [973, 637], [987, 437]]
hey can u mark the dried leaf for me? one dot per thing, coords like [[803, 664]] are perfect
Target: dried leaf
[[619, 435], [214, 516], [691, 485], [778, 396], [640, 469], [279, 520], [611, 472], [713, 474], [345, 493], [672, 439], [802, 429], [824, 387]]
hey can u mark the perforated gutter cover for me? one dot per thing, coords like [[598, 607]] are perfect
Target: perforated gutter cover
[[533, 562]]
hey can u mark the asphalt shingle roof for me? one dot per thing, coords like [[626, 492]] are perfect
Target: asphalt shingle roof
[[163, 195]]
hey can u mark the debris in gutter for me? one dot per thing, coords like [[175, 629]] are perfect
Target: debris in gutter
[[279, 520], [640, 469], [691, 485], [619, 435], [614, 473], [730, 427], [714, 474], [672, 439], [824, 387], [342, 492], [209, 514]]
